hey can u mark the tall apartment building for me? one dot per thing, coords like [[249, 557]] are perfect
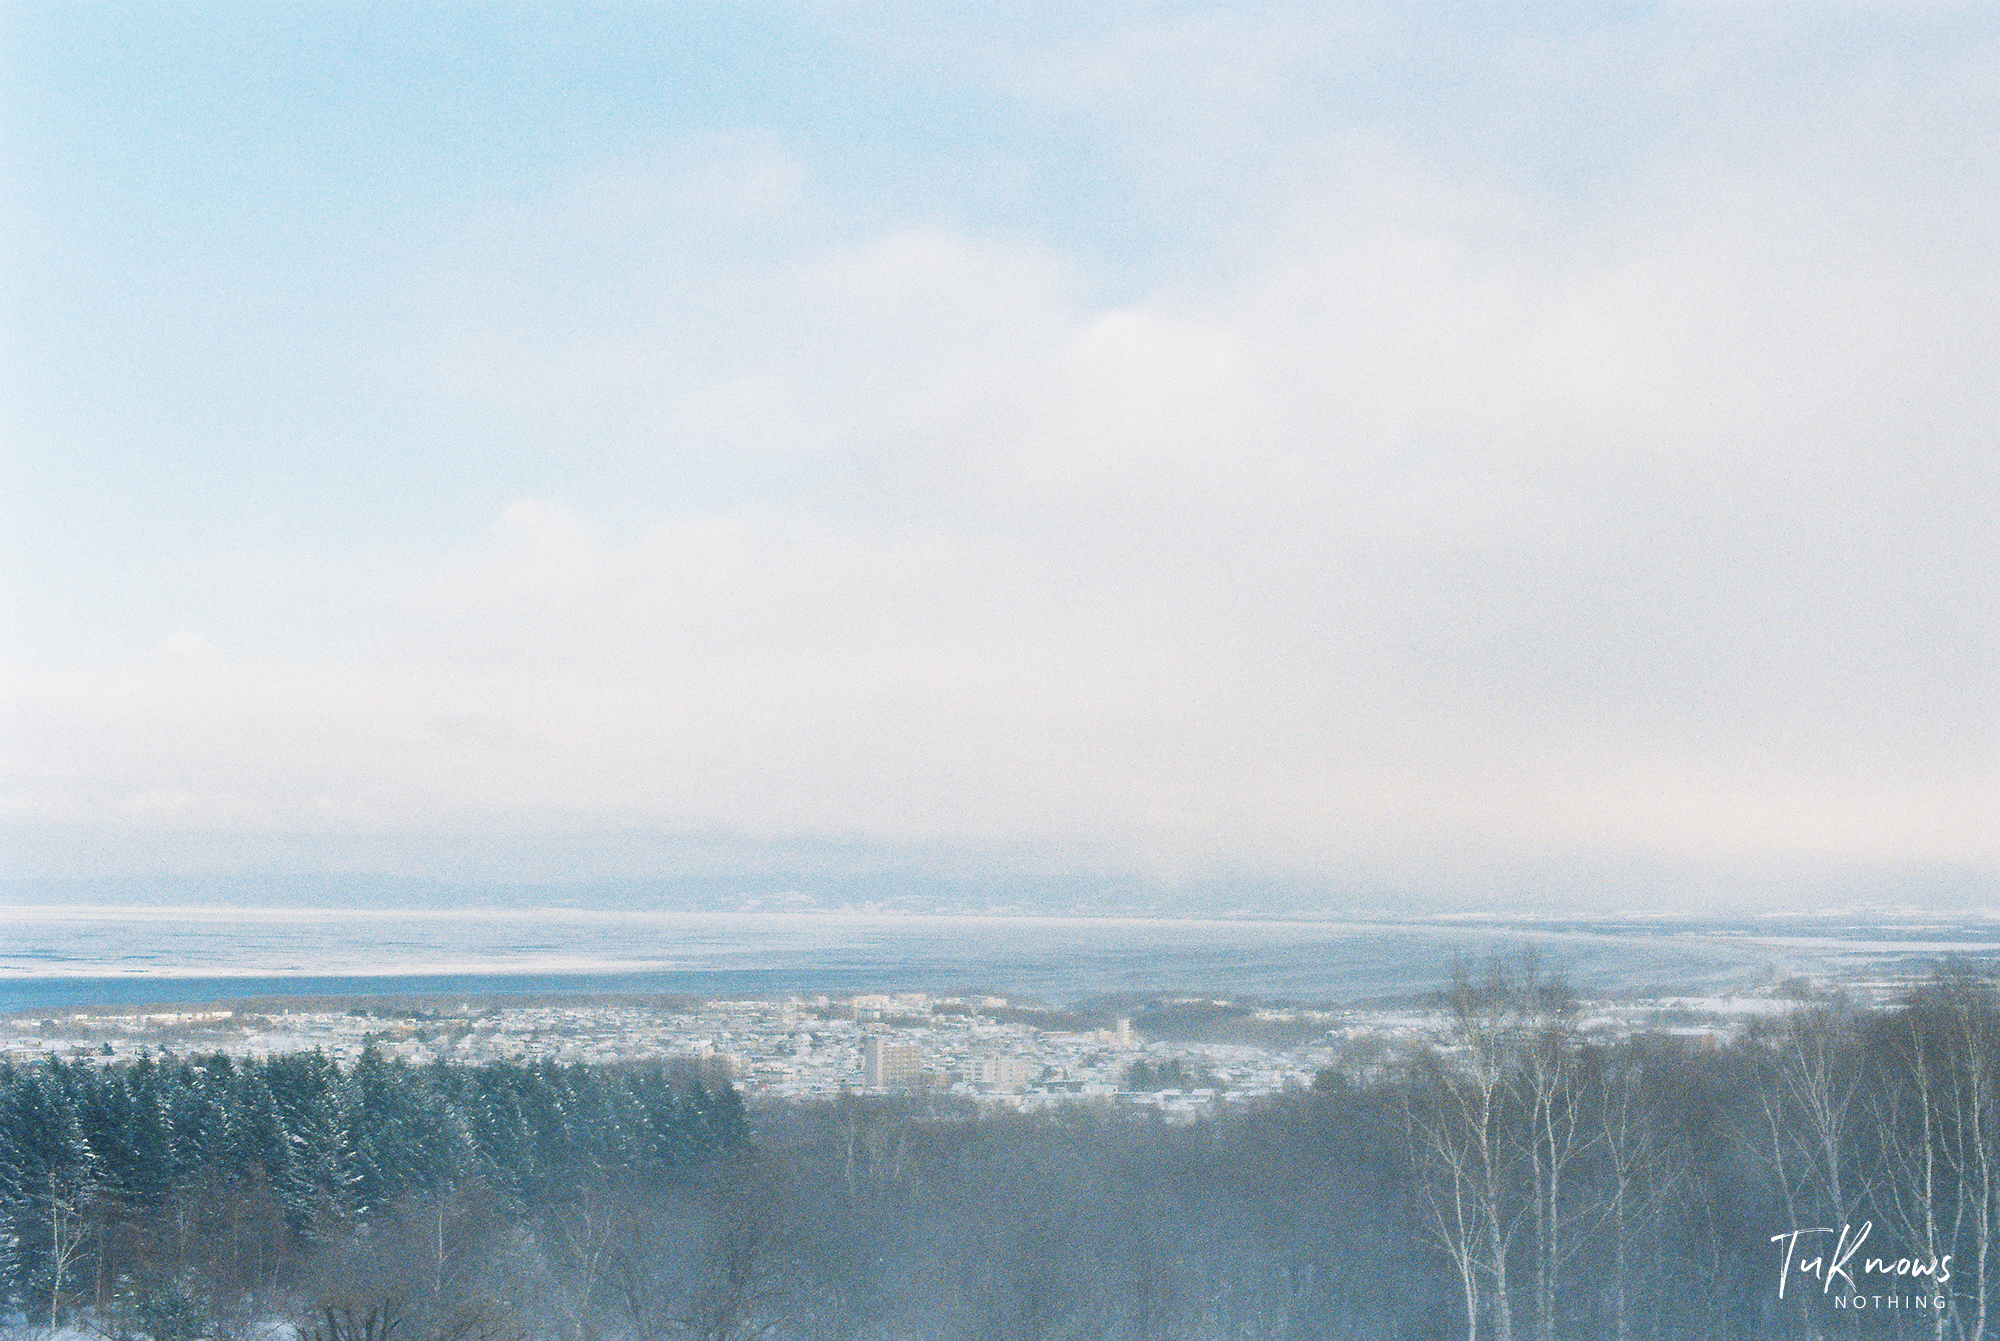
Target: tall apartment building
[[890, 1066]]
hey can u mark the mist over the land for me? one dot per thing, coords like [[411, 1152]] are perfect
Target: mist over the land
[[721, 878]]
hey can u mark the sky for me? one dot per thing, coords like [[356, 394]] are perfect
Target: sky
[[1415, 454]]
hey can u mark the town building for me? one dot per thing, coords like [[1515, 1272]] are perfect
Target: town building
[[890, 1066], [1006, 1074]]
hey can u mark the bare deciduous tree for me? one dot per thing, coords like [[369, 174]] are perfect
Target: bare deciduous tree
[[1443, 1147], [1642, 1167], [69, 1234]]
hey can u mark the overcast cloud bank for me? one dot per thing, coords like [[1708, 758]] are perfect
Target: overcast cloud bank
[[1569, 466]]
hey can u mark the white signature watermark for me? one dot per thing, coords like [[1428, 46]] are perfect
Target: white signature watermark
[[1930, 1275]]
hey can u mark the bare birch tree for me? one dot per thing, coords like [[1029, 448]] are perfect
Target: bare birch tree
[[1972, 1020], [1465, 1135], [1441, 1146], [1916, 1105], [1642, 1166], [1552, 1127], [69, 1233]]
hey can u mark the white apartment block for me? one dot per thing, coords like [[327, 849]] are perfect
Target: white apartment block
[[890, 1066]]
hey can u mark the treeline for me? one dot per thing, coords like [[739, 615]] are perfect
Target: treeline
[[1513, 1177], [188, 1198]]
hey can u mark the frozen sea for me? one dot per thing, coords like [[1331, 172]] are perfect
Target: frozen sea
[[57, 957]]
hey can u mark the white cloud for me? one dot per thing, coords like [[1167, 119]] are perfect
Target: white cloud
[[184, 643], [1449, 524]]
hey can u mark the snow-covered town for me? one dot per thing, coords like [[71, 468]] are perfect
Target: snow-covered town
[[1182, 1054]]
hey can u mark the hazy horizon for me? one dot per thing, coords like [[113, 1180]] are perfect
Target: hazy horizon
[[1634, 889]]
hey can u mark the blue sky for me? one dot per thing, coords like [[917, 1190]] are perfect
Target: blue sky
[[1388, 447]]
